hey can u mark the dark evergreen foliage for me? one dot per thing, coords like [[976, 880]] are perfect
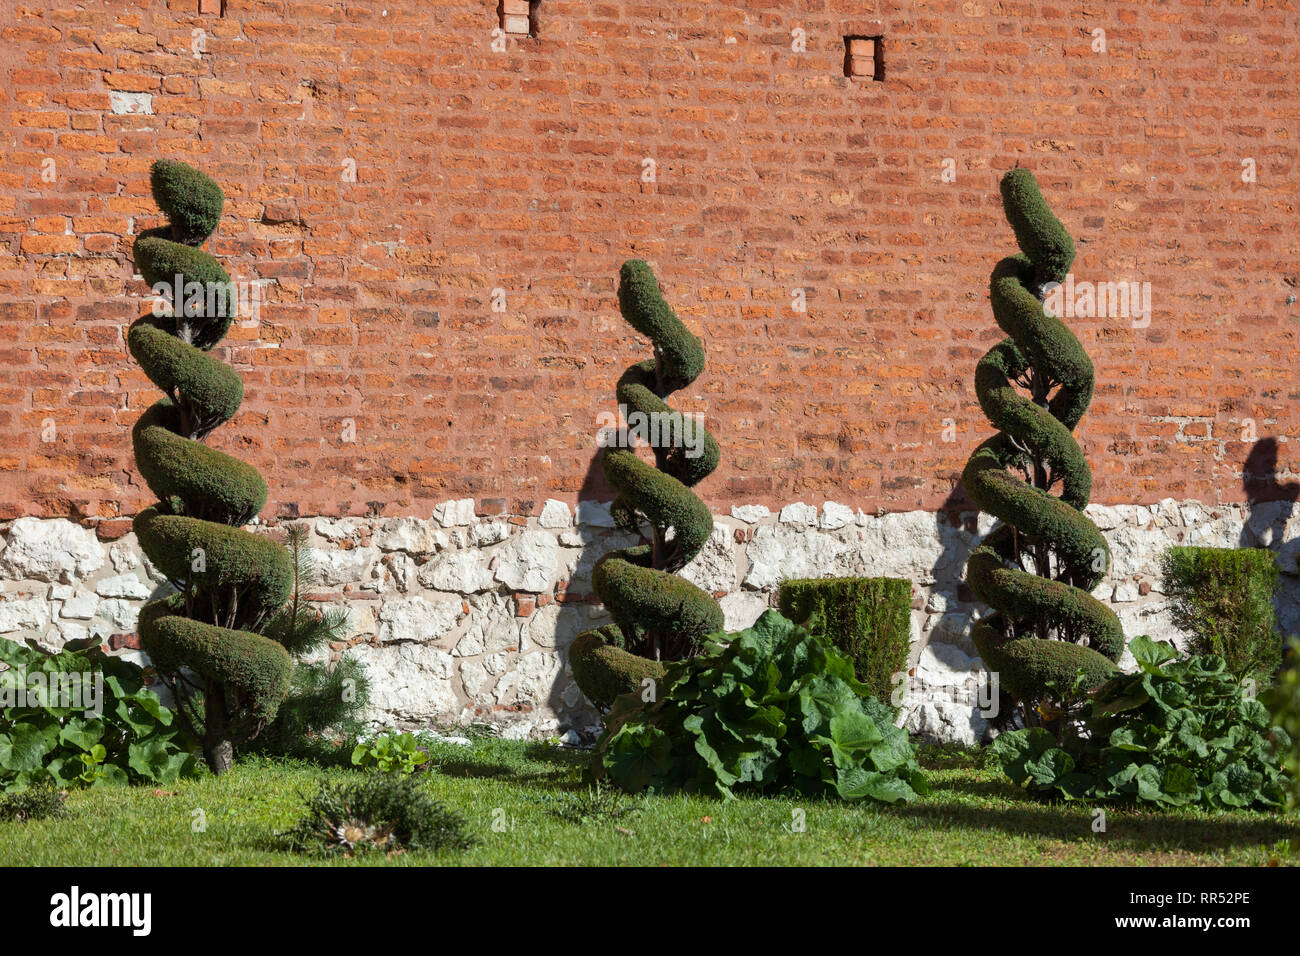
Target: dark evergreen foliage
[[206, 639], [657, 616], [1037, 567]]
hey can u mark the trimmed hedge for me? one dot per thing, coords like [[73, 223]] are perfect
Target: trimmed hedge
[[231, 581], [658, 617], [1046, 625], [604, 670], [867, 618], [1223, 597]]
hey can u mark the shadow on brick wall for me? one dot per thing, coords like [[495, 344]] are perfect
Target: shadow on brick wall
[[578, 604], [1270, 510]]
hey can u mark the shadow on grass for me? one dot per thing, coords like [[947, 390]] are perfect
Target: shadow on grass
[[1125, 827], [1003, 789], [561, 771]]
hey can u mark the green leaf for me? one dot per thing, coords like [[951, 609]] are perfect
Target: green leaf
[[854, 783], [822, 698], [1193, 742], [153, 706], [1169, 694], [1151, 654], [1148, 780], [1179, 785], [82, 734], [852, 733], [25, 746], [1254, 713], [893, 751], [1125, 738], [638, 756], [1076, 786], [1026, 756], [1048, 768], [148, 759], [113, 775]]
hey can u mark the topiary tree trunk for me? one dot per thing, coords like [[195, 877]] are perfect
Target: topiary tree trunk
[[657, 616], [1038, 565], [204, 639]]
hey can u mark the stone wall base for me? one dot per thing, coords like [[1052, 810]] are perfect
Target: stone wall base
[[462, 617]]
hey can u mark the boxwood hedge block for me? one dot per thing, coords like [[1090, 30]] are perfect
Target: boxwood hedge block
[[1223, 597], [867, 618]]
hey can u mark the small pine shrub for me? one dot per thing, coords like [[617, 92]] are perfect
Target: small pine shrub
[[1223, 597], [867, 618], [39, 803], [1283, 700], [595, 804], [379, 812], [326, 700]]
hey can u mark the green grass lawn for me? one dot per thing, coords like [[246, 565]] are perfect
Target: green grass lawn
[[525, 804]]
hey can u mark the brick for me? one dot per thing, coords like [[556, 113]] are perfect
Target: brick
[[516, 24], [118, 642], [50, 245], [862, 66], [113, 529], [772, 173]]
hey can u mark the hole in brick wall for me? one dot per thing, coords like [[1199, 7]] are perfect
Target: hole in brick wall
[[518, 17], [864, 58]]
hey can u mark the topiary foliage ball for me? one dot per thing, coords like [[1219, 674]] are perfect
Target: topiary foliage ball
[[1037, 567], [228, 579], [657, 615]]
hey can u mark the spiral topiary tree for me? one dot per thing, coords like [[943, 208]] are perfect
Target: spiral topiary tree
[[229, 582], [1038, 565], [657, 615]]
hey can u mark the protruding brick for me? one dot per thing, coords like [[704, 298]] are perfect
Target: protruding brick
[[863, 67], [516, 24]]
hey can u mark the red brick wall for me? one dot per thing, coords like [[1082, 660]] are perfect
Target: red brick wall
[[522, 170]]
